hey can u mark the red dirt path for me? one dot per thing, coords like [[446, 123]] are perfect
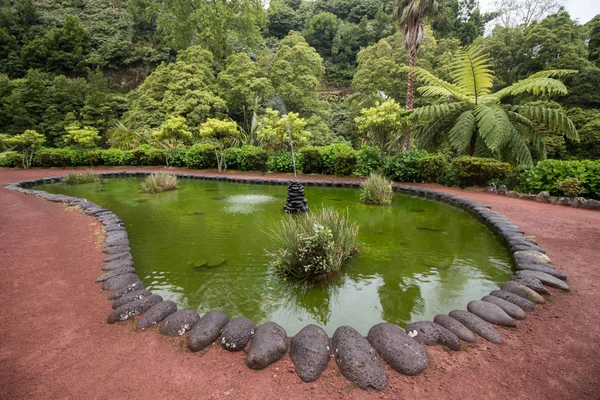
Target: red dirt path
[[55, 343]]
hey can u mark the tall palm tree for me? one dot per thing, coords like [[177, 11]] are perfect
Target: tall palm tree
[[409, 14], [475, 121]]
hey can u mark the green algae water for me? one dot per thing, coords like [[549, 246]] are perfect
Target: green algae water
[[203, 246]]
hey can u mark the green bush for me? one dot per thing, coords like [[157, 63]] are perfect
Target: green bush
[[473, 171], [118, 157], [377, 189], [93, 157], [148, 155], [405, 166], [176, 158], [10, 159], [368, 160], [281, 161], [314, 245], [571, 187], [312, 160], [55, 157], [338, 159], [201, 156], [546, 175], [76, 178], [247, 158], [433, 167]]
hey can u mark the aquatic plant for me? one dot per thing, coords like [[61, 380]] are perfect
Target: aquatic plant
[[377, 189], [314, 245], [76, 178], [158, 182]]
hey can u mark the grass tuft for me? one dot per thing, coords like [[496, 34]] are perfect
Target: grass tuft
[[314, 245], [377, 189], [76, 178], [158, 182]]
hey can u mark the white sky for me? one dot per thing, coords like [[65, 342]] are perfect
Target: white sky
[[583, 10]]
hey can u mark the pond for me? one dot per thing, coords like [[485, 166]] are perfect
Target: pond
[[203, 246]]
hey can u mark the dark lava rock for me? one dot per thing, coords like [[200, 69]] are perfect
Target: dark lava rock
[[114, 272], [397, 349], [357, 360], [115, 236], [546, 279], [115, 228], [491, 313], [579, 202], [543, 197], [129, 288], [511, 309], [461, 331], [531, 282], [116, 249], [533, 256], [432, 334], [117, 243], [546, 268], [207, 330], [514, 194], [562, 201], [477, 325], [120, 281], [156, 314], [178, 323], [523, 291], [237, 334], [121, 256], [268, 345], [513, 298], [502, 189], [310, 352], [130, 310], [592, 204], [117, 264], [131, 296]]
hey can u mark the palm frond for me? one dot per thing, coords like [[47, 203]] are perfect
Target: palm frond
[[471, 72], [462, 131], [493, 124], [555, 119], [428, 79]]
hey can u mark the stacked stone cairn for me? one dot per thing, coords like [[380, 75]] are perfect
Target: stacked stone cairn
[[295, 203]]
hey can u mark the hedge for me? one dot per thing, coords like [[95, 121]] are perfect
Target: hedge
[[547, 175]]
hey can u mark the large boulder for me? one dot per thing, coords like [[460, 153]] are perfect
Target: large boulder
[[546, 279], [461, 331], [237, 334], [511, 309], [431, 334], [133, 309], [129, 288], [477, 325], [268, 345], [310, 352], [519, 301], [131, 296], [523, 291], [491, 313], [207, 330], [357, 360], [531, 282], [178, 323], [156, 314], [397, 349], [119, 281]]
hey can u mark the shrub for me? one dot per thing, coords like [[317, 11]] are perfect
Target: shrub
[[377, 189], [176, 158], [433, 167], [159, 182], [201, 156], [312, 160], [118, 157], [571, 187], [148, 155], [338, 159], [281, 161], [76, 178], [314, 245], [405, 166], [368, 160], [92, 157], [60, 158], [546, 175], [247, 158], [473, 171], [11, 159]]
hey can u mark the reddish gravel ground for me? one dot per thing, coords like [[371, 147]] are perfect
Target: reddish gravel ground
[[55, 343]]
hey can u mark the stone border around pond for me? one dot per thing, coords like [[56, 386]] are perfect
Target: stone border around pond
[[544, 197], [356, 356]]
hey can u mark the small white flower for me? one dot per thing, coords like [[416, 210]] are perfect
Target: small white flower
[[413, 333]]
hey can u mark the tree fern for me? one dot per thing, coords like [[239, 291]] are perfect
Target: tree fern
[[462, 131], [471, 72]]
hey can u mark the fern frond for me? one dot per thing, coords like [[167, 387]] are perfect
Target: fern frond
[[493, 124], [435, 91], [555, 119], [481, 150], [426, 134], [515, 151], [428, 79], [471, 72], [535, 86], [462, 131], [434, 111], [551, 73], [526, 129]]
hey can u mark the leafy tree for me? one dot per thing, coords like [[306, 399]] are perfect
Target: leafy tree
[[27, 143], [223, 135], [320, 31], [274, 131], [122, 137], [594, 40], [516, 12], [97, 105], [86, 137], [383, 126], [463, 20], [173, 133], [282, 20], [474, 119]]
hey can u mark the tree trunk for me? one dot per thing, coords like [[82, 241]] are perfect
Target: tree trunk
[[410, 91]]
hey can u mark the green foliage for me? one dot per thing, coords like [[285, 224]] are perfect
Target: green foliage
[[546, 175], [312, 246], [201, 156], [571, 187], [11, 159], [247, 158], [383, 126], [594, 40], [377, 189], [433, 167], [117, 157], [312, 160], [369, 159], [222, 135], [26, 143], [473, 171], [281, 161], [158, 182], [77, 178], [338, 159], [148, 155], [86, 137], [173, 133], [405, 166], [274, 131]]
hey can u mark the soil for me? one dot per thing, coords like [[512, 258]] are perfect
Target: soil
[[55, 342]]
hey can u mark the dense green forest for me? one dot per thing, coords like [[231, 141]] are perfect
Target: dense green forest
[[116, 73]]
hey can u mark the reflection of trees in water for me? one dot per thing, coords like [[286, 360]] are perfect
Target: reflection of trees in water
[[399, 298]]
